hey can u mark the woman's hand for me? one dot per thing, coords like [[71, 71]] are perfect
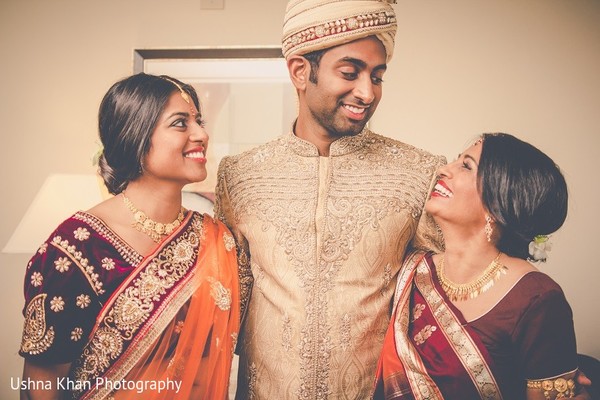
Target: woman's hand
[[39, 373]]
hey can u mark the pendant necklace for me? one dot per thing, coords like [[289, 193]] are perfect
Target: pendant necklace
[[155, 230], [470, 290]]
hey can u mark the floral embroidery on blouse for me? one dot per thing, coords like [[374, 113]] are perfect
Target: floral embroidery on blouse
[[37, 338], [36, 279], [81, 234], [42, 249], [83, 262], [57, 304], [229, 241], [83, 300], [425, 333], [108, 263], [76, 334], [62, 264]]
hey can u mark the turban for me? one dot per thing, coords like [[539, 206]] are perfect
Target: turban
[[311, 25]]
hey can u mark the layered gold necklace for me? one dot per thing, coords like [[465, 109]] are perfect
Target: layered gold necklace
[[470, 290], [155, 230]]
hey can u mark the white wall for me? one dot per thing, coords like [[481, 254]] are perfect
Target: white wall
[[463, 67]]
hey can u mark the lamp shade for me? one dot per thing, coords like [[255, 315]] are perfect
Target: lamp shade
[[60, 196]]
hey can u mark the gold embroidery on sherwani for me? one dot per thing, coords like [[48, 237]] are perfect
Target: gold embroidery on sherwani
[[37, 338], [387, 278], [221, 211], [345, 335], [466, 350], [133, 306], [229, 242], [286, 333], [251, 381], [362, 201]]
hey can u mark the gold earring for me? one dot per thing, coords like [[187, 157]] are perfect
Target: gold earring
[[488, 228]]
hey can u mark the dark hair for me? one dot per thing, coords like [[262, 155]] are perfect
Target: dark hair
[[523, 190], [314, 58], [126, 120]]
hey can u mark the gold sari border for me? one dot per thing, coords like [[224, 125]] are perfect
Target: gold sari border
[[141, 306], [464, 347], [146, 336], [423, 387]]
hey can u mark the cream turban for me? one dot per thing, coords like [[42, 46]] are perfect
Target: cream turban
[[311, 25]]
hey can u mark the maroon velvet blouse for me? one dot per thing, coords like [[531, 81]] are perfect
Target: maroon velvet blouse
[[66, 283], [529, 334]]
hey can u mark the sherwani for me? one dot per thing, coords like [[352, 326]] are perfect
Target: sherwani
[[321, 241]]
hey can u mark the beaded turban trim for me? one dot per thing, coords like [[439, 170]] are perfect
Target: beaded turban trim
[[311, 25]]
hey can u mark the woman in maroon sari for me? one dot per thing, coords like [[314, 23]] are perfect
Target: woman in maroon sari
[[136, 297], [479, 320]]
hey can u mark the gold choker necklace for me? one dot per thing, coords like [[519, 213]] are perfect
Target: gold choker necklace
[[156, 230], [464, 291]]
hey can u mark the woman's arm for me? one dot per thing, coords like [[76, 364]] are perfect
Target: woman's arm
[[571, 385], [35, 374], [547, 346]]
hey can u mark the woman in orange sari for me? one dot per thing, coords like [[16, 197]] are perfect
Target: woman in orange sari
[[479, 320], [136, 297]]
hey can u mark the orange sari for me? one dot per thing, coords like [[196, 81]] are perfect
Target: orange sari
[[169, 330]]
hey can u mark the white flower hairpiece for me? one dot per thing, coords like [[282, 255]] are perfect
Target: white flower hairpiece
[[97, 154], [539, 248]]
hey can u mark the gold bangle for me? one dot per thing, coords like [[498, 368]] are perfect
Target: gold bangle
[[563, 388]]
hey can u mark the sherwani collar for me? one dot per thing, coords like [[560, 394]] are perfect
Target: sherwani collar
[[340, 147]]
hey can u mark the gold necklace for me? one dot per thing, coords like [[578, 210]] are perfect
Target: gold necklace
[[470, 290], [156, 230]]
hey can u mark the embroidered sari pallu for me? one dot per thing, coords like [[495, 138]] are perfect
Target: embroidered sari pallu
[[428, 353], [169, 330]]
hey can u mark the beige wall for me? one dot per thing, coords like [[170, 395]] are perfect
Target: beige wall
[[525, 67]]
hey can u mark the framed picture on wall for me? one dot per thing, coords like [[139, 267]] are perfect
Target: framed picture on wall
[[246, 97]]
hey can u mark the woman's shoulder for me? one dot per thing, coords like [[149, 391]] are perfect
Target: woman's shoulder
[[533, 291], [77, 227], [539, 281], [529, 278], [526, 276]]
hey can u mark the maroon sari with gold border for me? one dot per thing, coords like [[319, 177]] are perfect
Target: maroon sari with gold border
[[524, 343], [452, 365]]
